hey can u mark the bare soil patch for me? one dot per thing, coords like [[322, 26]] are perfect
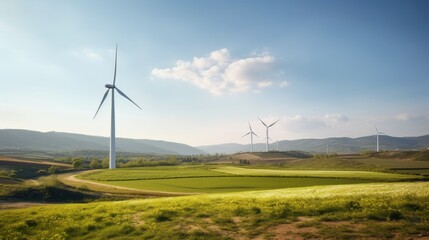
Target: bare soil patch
[[22, 161], [14, 204], [72, 180]]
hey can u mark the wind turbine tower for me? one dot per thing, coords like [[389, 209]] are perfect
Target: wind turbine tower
[[378, 133], [267, 127], [112, 156], [251, 133]]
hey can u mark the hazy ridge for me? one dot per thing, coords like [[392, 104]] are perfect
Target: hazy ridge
[[60, 141], [337, 145]]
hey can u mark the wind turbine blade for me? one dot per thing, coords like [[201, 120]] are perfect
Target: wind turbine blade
[[376, 129], [104, 98], [273, 123], [255, 134], [116, 61], [262, 122], [250, 127], [125, 96], [246, 134]]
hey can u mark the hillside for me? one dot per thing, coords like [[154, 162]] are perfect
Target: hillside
[[58, 141], [338, 145], [364, 211]]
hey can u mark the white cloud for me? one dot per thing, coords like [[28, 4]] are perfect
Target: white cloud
[[283, 84], [92, 55], [301, 124], [219, 73], [264, 84], [403, 117], [335, 118]]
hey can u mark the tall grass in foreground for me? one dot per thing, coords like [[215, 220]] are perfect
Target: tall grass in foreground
[[381, 210]]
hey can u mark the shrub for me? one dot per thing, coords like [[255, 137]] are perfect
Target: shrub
[[164, 215], [52, 169], [394, 215], [353, 205], [31, 223]]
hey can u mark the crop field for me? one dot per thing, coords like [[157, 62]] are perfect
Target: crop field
[[315, 173], [373, 210], [123, 174], [24, 168], [220, 179], [227, 184], [232, 202]]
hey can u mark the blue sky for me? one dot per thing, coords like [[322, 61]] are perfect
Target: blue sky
[[201, 70]]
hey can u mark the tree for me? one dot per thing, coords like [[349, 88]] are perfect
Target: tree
[[77, 163], [105, 163], [94, 163], [52, 169], [172, 159]]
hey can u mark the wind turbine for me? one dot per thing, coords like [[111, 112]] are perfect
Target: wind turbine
[[251, 135], [267, 126], [378, 133], [112, 157]]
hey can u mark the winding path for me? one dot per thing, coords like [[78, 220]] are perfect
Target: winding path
[[72, 180]]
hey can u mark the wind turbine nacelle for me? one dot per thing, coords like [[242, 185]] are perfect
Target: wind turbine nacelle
[[109, 86]]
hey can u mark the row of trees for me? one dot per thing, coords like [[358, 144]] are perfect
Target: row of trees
[[93, 162]]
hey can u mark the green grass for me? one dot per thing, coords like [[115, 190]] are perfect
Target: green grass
[[141, 173], [315, 173], [376, 210], [218, 179], [26, 169], [227, 184]]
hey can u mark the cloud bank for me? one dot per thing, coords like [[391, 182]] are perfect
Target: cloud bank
[[220, 74]]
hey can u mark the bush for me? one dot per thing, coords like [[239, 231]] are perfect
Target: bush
[[94, 164], [164, 215], [394, 215], [31, 223], [77, 163], [52, 169]]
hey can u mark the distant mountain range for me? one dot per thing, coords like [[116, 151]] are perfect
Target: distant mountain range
[[335, 145], [59, 141]]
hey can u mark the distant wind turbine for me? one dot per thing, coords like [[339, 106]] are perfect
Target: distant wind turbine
[[251, 133], [112, 159], [267, 127], [378, 133]]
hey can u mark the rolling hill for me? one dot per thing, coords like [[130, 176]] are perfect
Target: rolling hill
[[337, 145], [59, 141]]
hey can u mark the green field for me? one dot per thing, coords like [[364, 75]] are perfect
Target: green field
[[227, 184], [218, 179], [376, 211], [315, 173], [123, 174], [232, 202]]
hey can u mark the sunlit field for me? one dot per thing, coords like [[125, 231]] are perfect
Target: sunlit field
[[227, 202], [227, 184], [218, 179], [377, 210]]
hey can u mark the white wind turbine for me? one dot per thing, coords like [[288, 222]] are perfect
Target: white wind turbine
[[378, 133], [267, 127], [112, 158], [251, 133]]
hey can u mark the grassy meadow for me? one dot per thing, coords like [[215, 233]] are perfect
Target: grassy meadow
[[219, 179], [227, 184], [372, 210], [228, 202]]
